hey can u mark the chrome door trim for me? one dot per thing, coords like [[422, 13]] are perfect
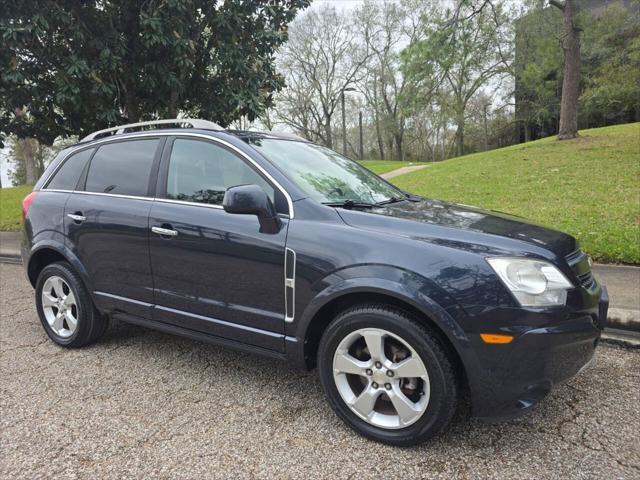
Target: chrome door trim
[[289, 282], [172, 134]]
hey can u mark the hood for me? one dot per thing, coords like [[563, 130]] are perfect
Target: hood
[[436, 220]]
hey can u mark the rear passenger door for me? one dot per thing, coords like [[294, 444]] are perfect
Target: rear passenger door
[[107, 223]]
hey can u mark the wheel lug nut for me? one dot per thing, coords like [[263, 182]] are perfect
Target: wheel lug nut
[[374, 385], [387, 386], [378, 365], [369, 371], [389, 373]]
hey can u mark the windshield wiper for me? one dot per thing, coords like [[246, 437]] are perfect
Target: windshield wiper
[[349, 204], [389, 201]]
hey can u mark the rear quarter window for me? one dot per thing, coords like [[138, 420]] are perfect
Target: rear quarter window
[[122, 168], [67, 176]]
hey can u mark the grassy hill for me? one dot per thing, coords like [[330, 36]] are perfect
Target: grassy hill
[[11, 207], [588, 187]]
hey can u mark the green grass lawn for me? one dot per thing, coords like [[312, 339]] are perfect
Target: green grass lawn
[[384, 166], [588, 187], [11, 207]]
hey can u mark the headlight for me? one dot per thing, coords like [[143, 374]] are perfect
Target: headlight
[[534, 283]]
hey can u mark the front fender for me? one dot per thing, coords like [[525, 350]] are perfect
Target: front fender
[[404, 286]]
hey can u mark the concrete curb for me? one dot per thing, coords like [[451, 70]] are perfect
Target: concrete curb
[[622, 338], [624, 318], [10, 259]]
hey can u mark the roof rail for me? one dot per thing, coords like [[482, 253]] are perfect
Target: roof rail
[[193, 122], [287, 135]]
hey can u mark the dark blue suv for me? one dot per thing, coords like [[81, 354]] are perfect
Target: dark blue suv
[[274, 245]]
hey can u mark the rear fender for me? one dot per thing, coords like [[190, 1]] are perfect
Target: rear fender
[[65, 252]]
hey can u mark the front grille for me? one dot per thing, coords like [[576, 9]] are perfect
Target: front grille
[[579, 263]]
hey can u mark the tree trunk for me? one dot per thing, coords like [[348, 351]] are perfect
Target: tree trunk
[[133, 112], [172, 108], [571, 81], [327, 132], [460, 138], [28, 152], [380, 139], [377, 120], [398, 142]]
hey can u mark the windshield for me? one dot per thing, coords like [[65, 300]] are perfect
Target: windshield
[[323, 174]]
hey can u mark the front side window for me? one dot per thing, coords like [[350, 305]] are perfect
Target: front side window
[[67, 176], [323, 174], [202, 172], [122, 168]]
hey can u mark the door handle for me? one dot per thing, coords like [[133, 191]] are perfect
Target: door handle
[[165, 232], [76, 217]]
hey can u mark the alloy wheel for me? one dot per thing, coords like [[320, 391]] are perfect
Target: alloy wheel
[[381, 378], [59, 306]]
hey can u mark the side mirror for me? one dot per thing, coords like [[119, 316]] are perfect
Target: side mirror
[[252, 200]]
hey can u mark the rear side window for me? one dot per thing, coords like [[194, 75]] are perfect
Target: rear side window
[[122, 168], [67, 176]]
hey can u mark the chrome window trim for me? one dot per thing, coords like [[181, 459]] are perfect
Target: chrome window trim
[[117, 195], [81, 192], [290, 283], [57, 190], [191, 204], [173, 134]]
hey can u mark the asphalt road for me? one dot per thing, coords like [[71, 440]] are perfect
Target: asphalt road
[[142, 404]]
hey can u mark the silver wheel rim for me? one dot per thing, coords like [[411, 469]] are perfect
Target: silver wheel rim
[[381, 378], [59, 306]]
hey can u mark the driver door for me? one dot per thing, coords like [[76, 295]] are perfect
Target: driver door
[[214, 272]]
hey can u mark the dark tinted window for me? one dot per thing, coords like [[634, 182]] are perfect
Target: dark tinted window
[[67, 176], [122, 168], [201, 172]]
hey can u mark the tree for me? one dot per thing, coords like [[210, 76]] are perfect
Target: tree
[[386, 28], [28, 160], [537, 70], [571, 78], [74, 67], [611, 67], [466, 48], [321, 60]]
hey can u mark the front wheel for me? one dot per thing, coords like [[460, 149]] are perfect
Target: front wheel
[[387, 375]]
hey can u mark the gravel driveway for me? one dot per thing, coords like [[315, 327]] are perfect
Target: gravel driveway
[[142, 404]]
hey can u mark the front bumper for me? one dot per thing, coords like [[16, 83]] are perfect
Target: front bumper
[[509, 380]]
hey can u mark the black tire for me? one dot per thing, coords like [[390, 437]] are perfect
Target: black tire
[[91, 324], [437, 359]]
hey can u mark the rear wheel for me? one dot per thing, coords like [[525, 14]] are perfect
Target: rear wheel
[[65, 308], [387, 375]]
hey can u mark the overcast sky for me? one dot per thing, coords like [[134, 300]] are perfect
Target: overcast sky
[[4, 169]]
